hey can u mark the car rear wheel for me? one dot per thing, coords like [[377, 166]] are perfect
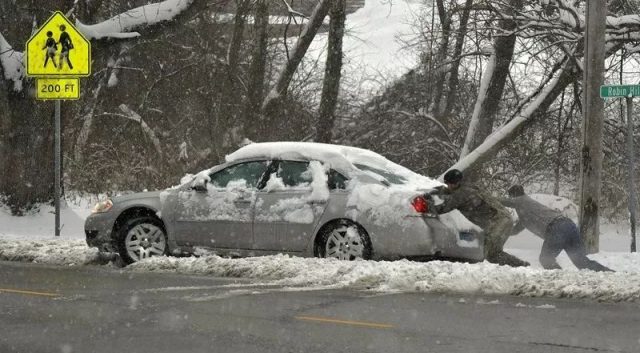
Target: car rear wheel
[[141, 238], [344, 240]]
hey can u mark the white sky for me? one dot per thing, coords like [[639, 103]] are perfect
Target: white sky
[[372, 47]]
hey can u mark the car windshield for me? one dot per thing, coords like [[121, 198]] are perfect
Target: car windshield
[[386, 175]]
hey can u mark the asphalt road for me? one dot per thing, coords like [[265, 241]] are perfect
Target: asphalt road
[[103, 309]]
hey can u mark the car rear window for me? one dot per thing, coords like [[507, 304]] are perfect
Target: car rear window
[[386, 175]]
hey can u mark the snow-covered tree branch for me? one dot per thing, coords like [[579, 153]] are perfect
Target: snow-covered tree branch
[[12, 63], [121, 26]]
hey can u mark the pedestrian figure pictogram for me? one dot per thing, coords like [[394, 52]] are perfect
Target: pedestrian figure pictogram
[[51, 48], [58, 49], [66, 44]]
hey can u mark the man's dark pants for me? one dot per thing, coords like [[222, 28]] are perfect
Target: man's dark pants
[[563, 234]]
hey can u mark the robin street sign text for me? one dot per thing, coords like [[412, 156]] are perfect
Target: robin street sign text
[[613, 91]]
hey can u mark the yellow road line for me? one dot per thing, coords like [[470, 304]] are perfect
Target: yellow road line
[[28, 292], [343, 322]]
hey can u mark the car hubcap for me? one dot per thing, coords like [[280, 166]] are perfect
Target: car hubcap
[[145, 240], [344, 244]]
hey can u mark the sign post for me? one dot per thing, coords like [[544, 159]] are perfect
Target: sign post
[[57, 55], [631, 165], [627, 92], [57, 167]]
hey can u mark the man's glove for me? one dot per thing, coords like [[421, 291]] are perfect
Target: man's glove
[[438, 190], [429, 197]]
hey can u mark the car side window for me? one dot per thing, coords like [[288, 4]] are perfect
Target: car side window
[[249, 172], [294, 173], [336, 181]]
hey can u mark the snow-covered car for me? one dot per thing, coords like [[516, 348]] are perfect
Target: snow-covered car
[[305, 199]]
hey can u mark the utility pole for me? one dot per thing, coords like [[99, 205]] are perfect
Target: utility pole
[[592, 124], [631, 170]]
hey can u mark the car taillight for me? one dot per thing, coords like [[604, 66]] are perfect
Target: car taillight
[[420, 204]]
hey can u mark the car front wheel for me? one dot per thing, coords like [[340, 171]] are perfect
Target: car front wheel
[[141, 238]]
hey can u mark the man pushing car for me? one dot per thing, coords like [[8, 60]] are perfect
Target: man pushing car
[[484, 211], [559, 232]]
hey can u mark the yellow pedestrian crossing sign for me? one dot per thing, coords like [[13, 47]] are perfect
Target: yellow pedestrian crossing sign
[[57, 49]]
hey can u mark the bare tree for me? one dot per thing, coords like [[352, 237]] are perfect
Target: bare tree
[[279, 90], [493, 82], [454, 80], [255, 87], [332, 74], [441, 55]]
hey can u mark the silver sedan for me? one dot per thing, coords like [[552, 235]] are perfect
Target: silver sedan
[[304, 199]]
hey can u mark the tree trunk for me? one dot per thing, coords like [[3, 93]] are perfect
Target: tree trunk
[[492, 87], [509, 131], [233, 50], [255, 90], [445, 22], [26, 171], [452, 96], [226, 107], [560, 139], [332, 73], [275, 96]]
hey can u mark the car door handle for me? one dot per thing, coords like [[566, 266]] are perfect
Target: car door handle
[[242, 201], [318, 202]]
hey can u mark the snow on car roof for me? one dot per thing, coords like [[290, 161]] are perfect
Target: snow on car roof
[[337, 156]]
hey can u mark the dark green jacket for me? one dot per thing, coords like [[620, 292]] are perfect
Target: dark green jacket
[[473, 204]]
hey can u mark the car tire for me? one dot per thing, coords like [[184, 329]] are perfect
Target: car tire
[[140, 238], [344, 240]]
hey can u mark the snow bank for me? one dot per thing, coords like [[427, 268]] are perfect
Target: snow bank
[[407, 276], [380, 276], [30, 239], [50, 252]]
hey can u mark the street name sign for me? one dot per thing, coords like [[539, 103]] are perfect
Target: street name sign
[[58, 49], [57, 88], [619, 91]]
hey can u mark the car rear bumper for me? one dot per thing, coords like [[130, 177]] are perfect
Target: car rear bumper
[[424, 237], [98, 229]]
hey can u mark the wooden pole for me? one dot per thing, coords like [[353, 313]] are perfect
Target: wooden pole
[[632, 185], [592, 127]]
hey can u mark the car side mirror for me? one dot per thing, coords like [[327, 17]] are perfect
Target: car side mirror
[[199, 186]]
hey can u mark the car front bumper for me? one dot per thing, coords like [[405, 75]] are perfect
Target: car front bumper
[[98, 229]]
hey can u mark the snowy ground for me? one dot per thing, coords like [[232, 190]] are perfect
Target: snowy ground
[[31, 239]]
